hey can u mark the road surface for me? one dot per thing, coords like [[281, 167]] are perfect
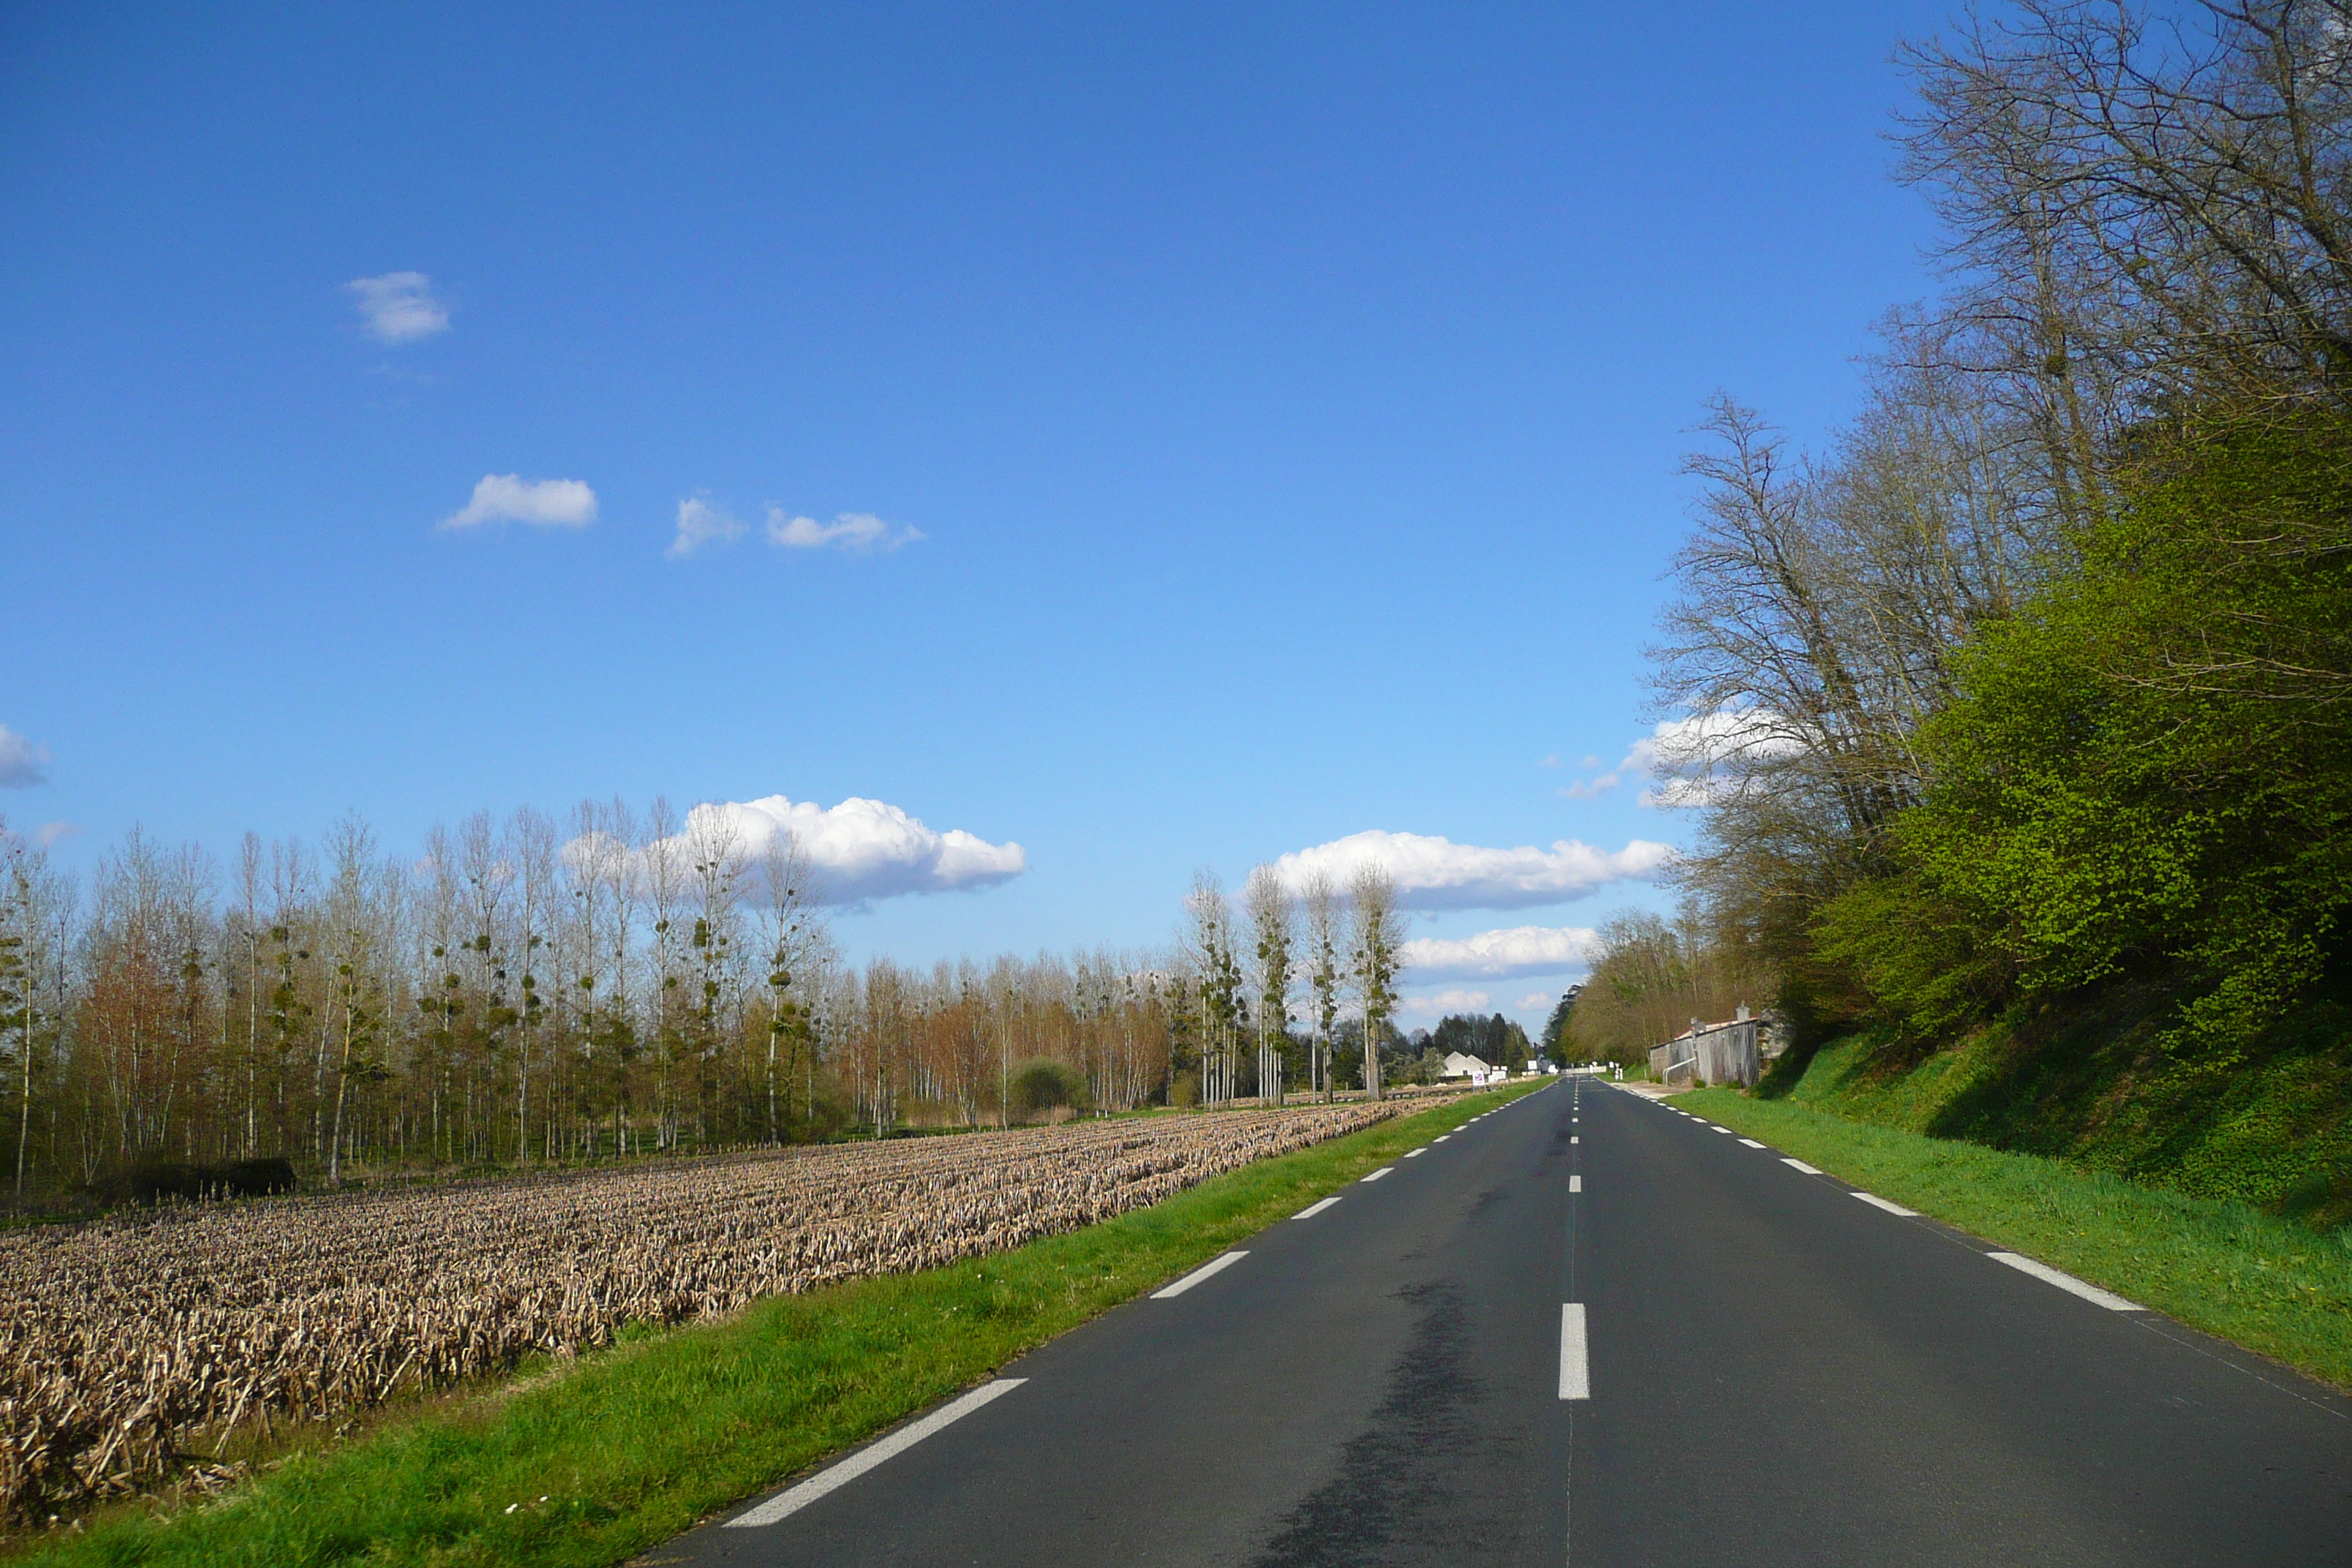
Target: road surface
[[1592, 1329]]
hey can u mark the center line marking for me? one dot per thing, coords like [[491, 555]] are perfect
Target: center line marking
[[1800, 1165], [1874, 1201], [1751, 1143], [1215, 1266], [1311, 1210], [1575, 1376], [2067, 1282], [1576, 1183], [787, 1503], [1574, 1139], [1383, 1171]]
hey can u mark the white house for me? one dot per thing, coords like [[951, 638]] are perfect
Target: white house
[[1462, 1064]]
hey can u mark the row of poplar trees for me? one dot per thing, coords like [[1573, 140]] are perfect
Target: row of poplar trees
[[1244, 975]]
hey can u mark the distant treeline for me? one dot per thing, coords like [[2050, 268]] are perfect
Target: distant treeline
[[515, 993], [627, 983], [2035, 681]]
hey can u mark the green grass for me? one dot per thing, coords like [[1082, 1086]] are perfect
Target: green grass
[[593, 1462], [2089, 1083], [2223, 1266]]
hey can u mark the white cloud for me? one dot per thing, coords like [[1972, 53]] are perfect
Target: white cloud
[[52, 833], [1446, 1001], [858, 850], [542, 503], [1438, 874], [1521, 950], [23, 762], [1534, 999], [398, 307], [854, 531], [700, 523], [1676, 762]]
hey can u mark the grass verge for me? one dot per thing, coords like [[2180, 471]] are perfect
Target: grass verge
[[2276, 1287], [592, 1463], [2088, 1084]]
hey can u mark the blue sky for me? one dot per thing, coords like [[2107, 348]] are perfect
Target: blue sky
[[1287, 400]]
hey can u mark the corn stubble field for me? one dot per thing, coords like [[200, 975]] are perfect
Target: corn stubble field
[[127, 1343]]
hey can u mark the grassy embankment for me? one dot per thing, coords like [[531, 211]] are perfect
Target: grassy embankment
[[2091, 1084], [593, 1462], [2221, 1265]]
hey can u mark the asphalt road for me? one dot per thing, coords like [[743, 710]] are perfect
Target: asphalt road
[[1773, 1372]]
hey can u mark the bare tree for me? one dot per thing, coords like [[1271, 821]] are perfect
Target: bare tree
[[1274, 940], [1325, 939], [356, 913], [1378, 932], [1209, 945], [32, 911], [714, 853], [2148, 208], [792, 927], [531, 840]]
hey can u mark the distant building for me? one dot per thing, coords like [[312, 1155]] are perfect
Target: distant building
[[1462, 1064]]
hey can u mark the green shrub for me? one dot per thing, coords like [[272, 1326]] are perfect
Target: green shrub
[[1044, 1085]]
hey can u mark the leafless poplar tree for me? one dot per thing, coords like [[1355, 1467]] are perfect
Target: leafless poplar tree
[[1325, 939], [1210, 951], [1274, 940], [1377, 931]]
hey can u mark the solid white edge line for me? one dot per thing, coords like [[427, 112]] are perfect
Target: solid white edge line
[[1376, 1175], [1212, 1267], [1311, 1210], [786, 1503], [1575, 1375], [1751, 1143], [2067, 1282], [1800, 1165], [1576, 1183], [1874, 1201]]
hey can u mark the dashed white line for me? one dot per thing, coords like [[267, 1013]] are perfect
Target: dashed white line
[[1575, 1375], [1800, 1165], [1751, 1143], [1215, 1266], [1874, 1201], [1574, 1139], [1440, 1137], [1724, 1130], [1311, 1210], [786, 1503], [1414, 1154], [2067, 1282], [1576, 1183], [1383, 1171]]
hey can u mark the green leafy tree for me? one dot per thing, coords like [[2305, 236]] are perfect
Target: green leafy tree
[[2148, 772]]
